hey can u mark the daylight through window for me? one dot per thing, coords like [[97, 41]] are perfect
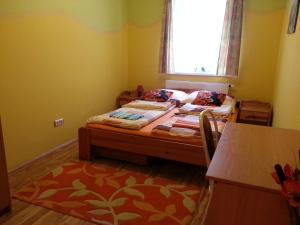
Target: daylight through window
[[196, 36]]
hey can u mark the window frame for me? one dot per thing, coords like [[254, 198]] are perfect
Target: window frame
[[204, 74], [230, 49]]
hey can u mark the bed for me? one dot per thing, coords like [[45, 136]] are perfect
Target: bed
[[138, 145]]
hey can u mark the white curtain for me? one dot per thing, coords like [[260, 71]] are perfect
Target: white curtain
[[229, 56]]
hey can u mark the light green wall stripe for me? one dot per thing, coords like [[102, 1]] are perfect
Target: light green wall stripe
[[103, 15], [147, 12], [111, 15], [265, 5]]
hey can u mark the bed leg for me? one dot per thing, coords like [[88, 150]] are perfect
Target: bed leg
[[84, 144]]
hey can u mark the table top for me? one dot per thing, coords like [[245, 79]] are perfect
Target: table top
[[246, 155]]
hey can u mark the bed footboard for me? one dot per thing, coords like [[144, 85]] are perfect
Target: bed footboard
[[138, 145]]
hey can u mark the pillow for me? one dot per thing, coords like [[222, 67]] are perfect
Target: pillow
[[210, 98], [231, 102], [177, 95], [191, 97], [157, 95]]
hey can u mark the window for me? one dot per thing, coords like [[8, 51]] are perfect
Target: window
[[201, 37], [197, 32]]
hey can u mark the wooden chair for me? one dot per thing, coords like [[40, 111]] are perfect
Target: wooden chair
[[210, 138]]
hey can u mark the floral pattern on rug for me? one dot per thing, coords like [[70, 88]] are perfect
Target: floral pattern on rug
[[111, 196]]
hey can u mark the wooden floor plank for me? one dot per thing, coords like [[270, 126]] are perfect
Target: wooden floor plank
[[27, 214], [49, 218]]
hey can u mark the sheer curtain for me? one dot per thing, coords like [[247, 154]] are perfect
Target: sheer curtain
[[228, 62], [166, 40], [229, 56]]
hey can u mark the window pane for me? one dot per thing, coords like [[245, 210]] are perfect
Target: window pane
[[197, 30]]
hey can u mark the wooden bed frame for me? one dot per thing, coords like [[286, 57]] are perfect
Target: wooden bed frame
[[137, 148], [116, 143], [141, 145]]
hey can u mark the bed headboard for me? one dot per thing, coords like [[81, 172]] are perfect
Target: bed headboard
[[177, 84]]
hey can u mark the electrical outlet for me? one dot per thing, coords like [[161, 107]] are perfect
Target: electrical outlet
[[58, 122]]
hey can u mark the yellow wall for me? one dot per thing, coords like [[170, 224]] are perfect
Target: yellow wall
[[287, 85], [71, 59], [261, 37], [57, 59]]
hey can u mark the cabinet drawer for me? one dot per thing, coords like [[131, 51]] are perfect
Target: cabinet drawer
[[255, 116]]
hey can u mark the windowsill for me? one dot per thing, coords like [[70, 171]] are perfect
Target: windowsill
[[200, 75]]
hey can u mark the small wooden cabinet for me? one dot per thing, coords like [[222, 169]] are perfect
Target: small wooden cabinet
[[255, 112], [127, 96], [4, 186]]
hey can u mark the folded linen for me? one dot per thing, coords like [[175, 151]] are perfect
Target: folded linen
[[148, 105], [148, 117], [184, 125], [187, 124], [126, 116]]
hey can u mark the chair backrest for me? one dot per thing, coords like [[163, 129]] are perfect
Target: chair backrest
[[209, 137]]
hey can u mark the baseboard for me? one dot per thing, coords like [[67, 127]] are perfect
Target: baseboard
[[44, 154]]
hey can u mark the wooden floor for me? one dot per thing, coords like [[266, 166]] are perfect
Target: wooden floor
[[27, 214]]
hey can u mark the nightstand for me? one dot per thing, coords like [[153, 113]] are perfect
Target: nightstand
[[255, 112], [127, 96]]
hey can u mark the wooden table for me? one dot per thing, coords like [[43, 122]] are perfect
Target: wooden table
[[245, 193]]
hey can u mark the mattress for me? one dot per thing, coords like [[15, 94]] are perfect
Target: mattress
[[147, 130]]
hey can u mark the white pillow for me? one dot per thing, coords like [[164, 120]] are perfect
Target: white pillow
[[178, 95], [191, 97], [230, 101]]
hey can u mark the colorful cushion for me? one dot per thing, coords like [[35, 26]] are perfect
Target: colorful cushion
[[211, 98], [157, 95], [177, 95]]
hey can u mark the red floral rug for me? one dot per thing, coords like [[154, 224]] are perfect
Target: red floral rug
[[110, 196]]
